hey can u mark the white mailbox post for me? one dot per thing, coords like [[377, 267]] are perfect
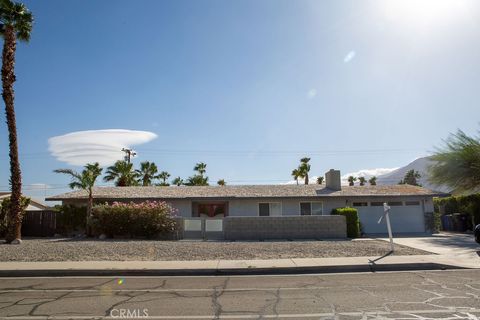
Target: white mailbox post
[[386, 211]]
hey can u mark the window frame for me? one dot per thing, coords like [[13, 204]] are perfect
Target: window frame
[[270, 208], [311, 208]]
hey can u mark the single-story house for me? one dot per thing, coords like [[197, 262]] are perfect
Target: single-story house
[[411, 206], [33, 206]]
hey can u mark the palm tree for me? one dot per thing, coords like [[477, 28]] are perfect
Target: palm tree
[[351, 180], [147, 173], [201, 168], [457, 163], [221, 182], [373, 181], [84, 181], [411, 178], [320, 180], [16, 22], [362, 180], [164, 175], [177, 181], [296, 174], [122, 173], [304, 168]]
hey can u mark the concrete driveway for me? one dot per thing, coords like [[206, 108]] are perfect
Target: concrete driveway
[[443, 243]]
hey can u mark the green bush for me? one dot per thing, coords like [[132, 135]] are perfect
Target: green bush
[[70, 219], [353, 222], [147, 219], [462, 204], [4, 205]]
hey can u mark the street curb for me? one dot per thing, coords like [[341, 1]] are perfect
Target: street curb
[[228, 271]]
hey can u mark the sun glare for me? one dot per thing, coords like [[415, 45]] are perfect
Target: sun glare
[[425, 12]]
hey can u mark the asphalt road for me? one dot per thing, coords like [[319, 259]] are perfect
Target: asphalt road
[[395, 295]]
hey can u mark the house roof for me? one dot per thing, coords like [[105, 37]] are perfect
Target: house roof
[[34, 205], [245, 192]]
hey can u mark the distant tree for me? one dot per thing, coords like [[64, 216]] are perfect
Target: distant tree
[[198, 179], [164, 175], [351, 180], [16, 23], [320, 180], [177, 181], [84, 181], [147, 173], [304, 169], [457, 163], [373, 181], [221, 182], [362, 180], [296, 174], [411, 178], [201, 168], [122, 174]]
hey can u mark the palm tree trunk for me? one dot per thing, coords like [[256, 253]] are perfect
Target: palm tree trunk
[[8, 78], [89, 212], [306, 178]]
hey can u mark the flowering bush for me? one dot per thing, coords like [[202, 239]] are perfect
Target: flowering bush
[[146, 219]]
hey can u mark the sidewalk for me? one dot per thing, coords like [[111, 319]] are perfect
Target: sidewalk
[[232, 267]]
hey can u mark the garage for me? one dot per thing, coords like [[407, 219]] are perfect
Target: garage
[[405, 217]]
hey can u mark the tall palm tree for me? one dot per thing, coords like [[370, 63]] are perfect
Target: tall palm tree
[[147, 173], [362, 180], [457, 163], [296, 174], [16, 22], [177, 181], [351, 180], [122, 174], [201, 168], [164, 175], [304, 168], [221, 182], [373, 181], [84, 181], [320, 180]]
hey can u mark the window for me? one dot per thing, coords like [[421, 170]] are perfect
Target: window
[[412, 203], [395, 203], [360, 204], [376, 204], [269, 209], [311, 208]]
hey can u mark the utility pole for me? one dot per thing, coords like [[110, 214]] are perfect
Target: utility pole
[[129, 153]]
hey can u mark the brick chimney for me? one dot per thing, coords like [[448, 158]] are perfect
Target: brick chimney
[[332, 179]]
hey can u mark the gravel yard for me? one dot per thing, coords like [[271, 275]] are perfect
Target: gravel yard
[[119, 250]]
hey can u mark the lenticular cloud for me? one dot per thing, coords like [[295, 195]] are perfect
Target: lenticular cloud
[[103, 146]]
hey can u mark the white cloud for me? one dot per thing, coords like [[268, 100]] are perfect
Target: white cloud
[[349, 56], [312, 93], [37, 186], [103, 146]]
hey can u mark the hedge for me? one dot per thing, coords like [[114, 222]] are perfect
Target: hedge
[[463, 204], [4, 207], [353, 222], [147, 219], [70, 219]]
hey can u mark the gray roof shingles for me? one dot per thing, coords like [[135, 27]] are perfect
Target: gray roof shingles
[[245, 191]]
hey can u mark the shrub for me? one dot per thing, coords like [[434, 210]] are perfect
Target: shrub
[[462, 204], [353, 222], [4, 206], [70, 219], [146, 219]]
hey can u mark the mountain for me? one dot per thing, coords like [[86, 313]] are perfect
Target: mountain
[[420, 165]]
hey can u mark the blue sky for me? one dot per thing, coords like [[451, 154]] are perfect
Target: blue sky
[[248, 86]]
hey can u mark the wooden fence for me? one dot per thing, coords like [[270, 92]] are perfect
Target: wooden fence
[[39, 223]]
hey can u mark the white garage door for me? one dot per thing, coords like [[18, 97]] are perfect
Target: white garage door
[[404, 219]]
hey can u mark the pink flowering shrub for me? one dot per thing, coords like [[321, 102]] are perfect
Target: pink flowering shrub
[[145, 219]]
